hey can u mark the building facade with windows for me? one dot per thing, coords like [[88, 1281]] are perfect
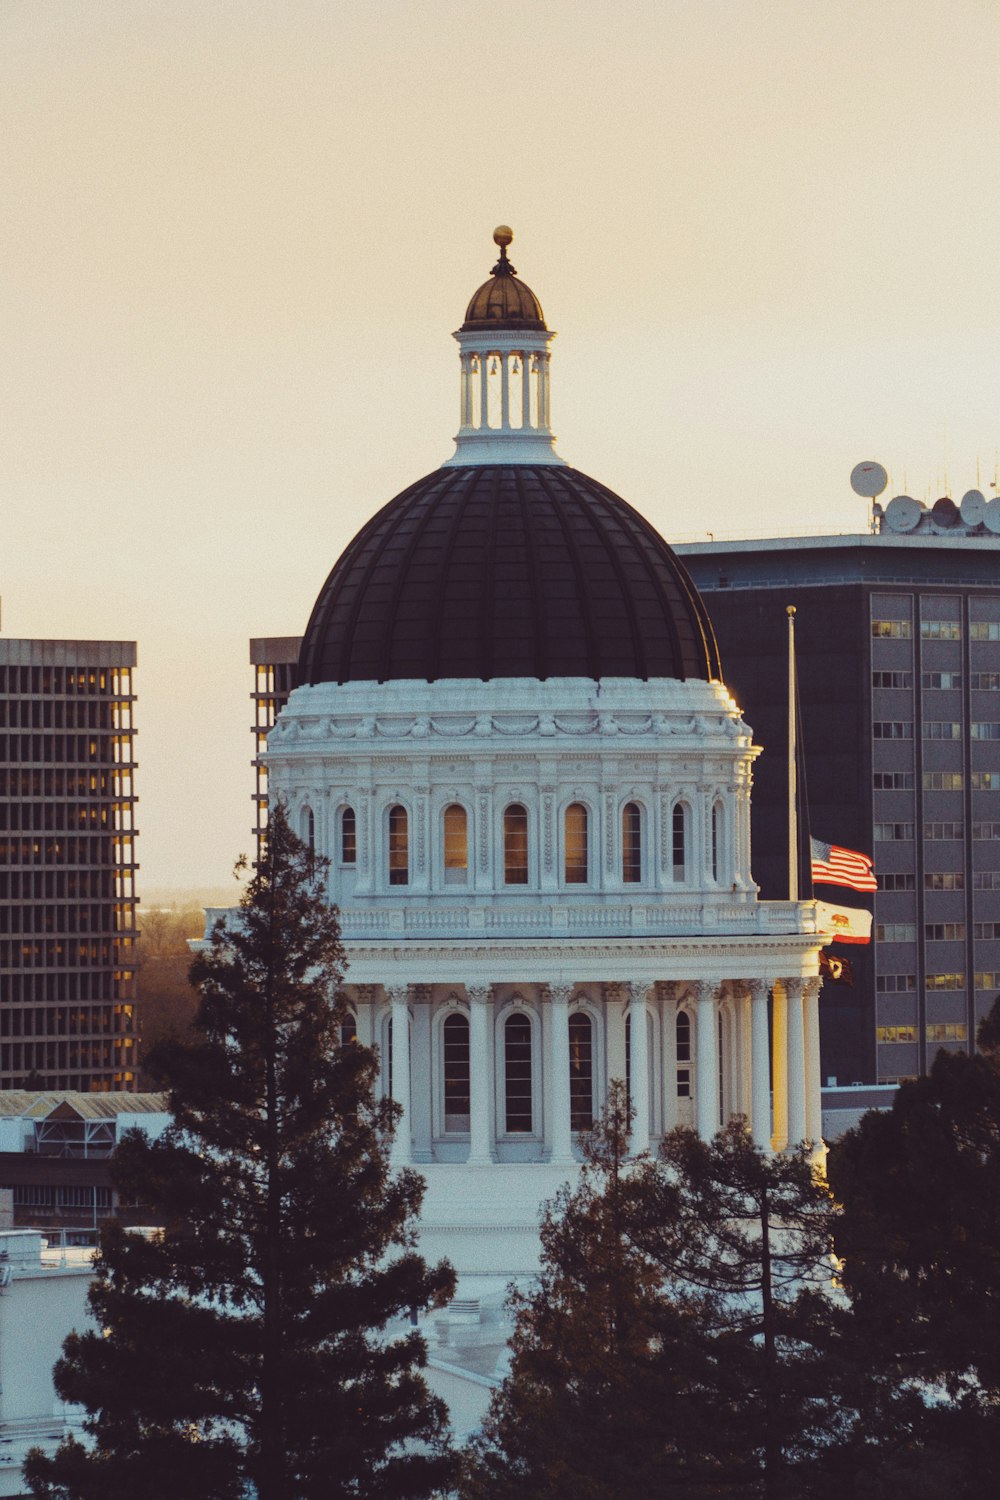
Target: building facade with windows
[[511, 738], [67, 865], [898, 646]]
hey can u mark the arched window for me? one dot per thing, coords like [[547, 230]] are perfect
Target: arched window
[[515, 845], [348, 837], [717, 841], [631, 843], [456, 845], [307, 828], [517, 1074], [679, 838], [576, 844], [399, 846], [348, 1029], [456, 1072], [581, 1071], [683, 1055]]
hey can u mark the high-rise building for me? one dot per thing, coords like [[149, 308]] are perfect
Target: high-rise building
[[67, 865], [898, 646], [273, 659]]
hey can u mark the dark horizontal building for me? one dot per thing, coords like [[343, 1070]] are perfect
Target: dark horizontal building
[[898, 647]]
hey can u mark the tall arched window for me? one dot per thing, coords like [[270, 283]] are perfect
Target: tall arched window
[[348, 1029], [399, 846], [631, 843], [575, 865], [717, 841], [581, 1071], [456, 845], [307, 828], [348, 837], [515, 845], [679, 839], [517, 1074], [683, 1055], [456, 1072]]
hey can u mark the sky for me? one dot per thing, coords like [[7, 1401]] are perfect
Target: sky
[[237, 236]]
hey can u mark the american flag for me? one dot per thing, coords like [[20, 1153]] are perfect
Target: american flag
[[834, 866]]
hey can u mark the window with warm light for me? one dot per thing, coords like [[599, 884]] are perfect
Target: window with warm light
[[399, 846], [575, 866], [456, 845], [515, 845], [631, 843]]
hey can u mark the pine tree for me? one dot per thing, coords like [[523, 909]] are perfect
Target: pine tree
[[683, 1339], [247, 1343], [606, 1395], [919, 1235]]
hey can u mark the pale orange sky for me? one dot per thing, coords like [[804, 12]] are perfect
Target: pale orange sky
[[238, 234]]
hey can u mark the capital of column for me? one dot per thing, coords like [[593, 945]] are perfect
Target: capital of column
[[397, 994], [638, 990], [563, 992], [479, 994], [759, 989]]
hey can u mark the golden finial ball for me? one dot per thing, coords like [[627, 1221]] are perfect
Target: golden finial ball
[[502, 235]]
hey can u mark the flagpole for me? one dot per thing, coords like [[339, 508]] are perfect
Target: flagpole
[[793, 826]]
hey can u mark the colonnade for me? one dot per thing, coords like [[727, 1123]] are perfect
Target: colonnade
[[768, 1069]]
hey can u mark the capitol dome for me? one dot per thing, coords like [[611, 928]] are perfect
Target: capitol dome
[[507, 570], [506, 562]]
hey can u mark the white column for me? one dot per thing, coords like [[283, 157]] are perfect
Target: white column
[[399, 998], [779, 1064], [484, 404], [465, 419], [480, 1093], [668, 1029], [741, 1003], [525, 391], [505, 390], [814, 1098], [707, 1074], [366, 1015], [796, 1064], [420, 1102], [760, 1104], [559, 1104], [639, 1058]]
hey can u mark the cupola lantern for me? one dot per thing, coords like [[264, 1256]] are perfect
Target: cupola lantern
[[504, 356]]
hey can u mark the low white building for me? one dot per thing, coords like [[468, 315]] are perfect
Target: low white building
[[42, 1297]]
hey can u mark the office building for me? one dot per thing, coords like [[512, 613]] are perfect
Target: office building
[[898, 647], [67, 865]]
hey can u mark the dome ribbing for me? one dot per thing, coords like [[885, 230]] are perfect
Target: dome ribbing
[[507, 570]]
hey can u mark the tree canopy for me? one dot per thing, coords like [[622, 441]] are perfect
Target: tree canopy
[[247, 1341], [681, 1340]]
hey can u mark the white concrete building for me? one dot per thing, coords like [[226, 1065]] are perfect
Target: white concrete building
[[42, 1297], [512, 739]]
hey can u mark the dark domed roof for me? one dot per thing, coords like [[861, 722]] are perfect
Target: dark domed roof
[[507, 570], [503, 302]]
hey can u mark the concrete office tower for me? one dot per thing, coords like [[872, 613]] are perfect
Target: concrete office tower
[[67, 865], [898, 637]]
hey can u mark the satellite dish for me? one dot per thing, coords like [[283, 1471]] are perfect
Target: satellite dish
[[944, 512], [992, 516], [903, 513], [868, 480], [973, 507]]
